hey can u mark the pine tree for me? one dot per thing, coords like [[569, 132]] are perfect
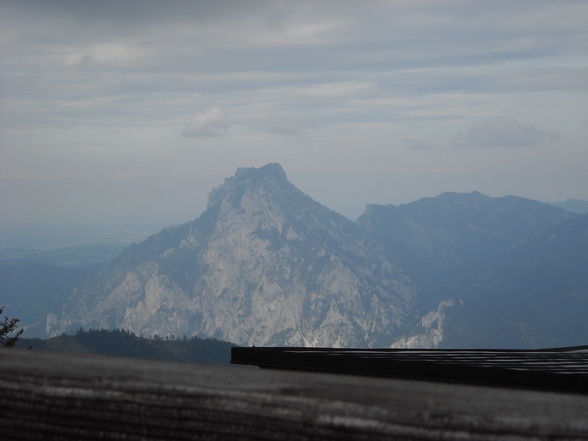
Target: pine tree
[[8, 333]]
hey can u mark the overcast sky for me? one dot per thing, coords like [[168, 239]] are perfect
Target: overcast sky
[[113, 111]]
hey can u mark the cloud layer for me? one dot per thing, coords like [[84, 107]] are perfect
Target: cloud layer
[[502, 132], [364, 98], [210, 123]]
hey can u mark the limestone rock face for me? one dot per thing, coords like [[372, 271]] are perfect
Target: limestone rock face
[[263, 265]]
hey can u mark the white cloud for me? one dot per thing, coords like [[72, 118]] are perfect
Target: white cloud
[[502, 132], [210, 123]]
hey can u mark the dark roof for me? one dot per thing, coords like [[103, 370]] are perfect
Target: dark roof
[[564, 369]]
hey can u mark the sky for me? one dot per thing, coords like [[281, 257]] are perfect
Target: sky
[[117, 111]]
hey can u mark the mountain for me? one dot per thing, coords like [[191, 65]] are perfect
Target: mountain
[[31, 290], [457, 227], [34, 283], [490, 272], [572, 205], [537, 296], [263, 265], [73, 256], [441, 239]]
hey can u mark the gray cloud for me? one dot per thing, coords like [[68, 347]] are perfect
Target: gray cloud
[[210, 123], [502, 132], [133, 12], [285, 126], [417, 144], [380, 87]]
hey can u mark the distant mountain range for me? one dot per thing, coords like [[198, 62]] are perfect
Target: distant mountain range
[[535, 295], [504, 272], [573, 205], [266, 265], [30, 291], [67, 257]]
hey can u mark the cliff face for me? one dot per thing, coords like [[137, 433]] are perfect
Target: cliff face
[[263, 265]]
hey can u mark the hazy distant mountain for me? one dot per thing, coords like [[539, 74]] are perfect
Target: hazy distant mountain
[[30, 291], [490, 272], [537, 296], [263, 265], [34, 283], [572, 205], [74, 256], [440, 239], [67, 235]]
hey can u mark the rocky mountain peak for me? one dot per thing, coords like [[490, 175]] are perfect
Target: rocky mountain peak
[[270, 178], [265, 264], [271, 170]]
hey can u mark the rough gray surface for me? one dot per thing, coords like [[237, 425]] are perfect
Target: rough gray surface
[[64, 396], [263, 265]]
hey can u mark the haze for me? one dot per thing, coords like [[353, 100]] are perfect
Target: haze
[[121, 111]]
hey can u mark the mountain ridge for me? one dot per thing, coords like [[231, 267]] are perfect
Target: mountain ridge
[[265, 264], [475, 260], [573, 205]]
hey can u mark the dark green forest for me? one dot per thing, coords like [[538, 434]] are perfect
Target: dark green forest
[[126, 344]]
